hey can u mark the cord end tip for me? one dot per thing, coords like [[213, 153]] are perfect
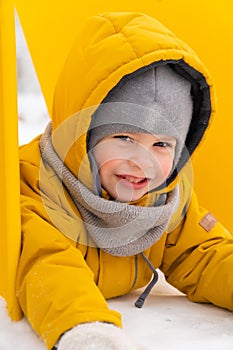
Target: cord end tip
[[139, 302]]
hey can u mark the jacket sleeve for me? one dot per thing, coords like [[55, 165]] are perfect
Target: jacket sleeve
[[198, 258], [55, 287]]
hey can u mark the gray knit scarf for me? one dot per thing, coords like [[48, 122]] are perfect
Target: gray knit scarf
[[120, 229]]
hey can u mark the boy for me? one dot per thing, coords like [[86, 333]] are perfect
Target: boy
[[106, 190]]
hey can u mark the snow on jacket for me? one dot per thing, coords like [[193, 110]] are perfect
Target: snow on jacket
[[62, 282]]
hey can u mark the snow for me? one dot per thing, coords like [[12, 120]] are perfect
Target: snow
[[17, 335], [167, 320], [33, 116]]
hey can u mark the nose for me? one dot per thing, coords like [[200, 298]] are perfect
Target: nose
[[142, 158]]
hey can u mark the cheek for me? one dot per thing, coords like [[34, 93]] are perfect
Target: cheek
[[166, 164], [107, 167], [104, 153], [106, 164], [101, 156]]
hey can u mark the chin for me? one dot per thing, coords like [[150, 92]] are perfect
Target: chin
[[128, 199]]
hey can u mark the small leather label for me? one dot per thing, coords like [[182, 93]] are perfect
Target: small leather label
[[208, 222]]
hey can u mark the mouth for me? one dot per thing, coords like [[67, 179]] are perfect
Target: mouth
[[133, 181]]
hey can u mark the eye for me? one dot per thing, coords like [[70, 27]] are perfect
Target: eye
[[163, 144], [123, 138]]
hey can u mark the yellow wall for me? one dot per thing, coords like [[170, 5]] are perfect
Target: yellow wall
[[9, 169], [207, 26]]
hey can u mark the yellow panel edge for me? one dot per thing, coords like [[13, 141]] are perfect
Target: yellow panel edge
[[9, 170]]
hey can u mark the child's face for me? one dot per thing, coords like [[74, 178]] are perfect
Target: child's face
[[131, 164]]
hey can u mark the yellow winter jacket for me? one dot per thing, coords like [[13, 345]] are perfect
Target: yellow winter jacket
[[62, 282]]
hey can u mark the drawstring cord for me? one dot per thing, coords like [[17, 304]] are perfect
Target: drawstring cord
[[140, 301]]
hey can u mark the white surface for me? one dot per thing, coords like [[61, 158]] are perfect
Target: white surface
[[167, 321], [33, 117]]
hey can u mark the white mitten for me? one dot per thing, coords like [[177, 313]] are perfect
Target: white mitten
[[96, 336]]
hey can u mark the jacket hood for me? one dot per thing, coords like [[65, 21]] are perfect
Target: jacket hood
[[110, 47]]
